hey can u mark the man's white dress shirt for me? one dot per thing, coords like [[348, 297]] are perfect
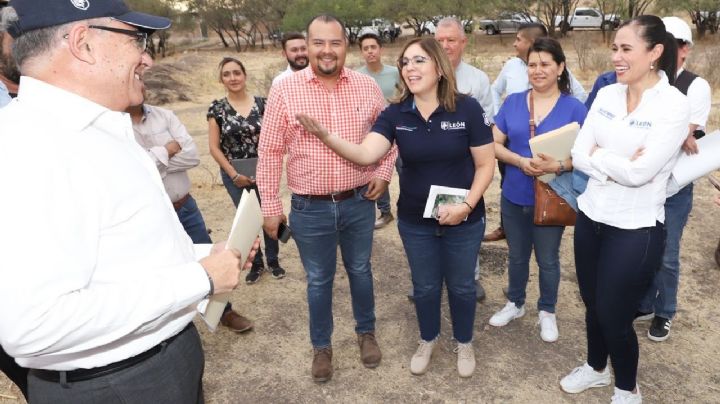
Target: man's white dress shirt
[[623, 193], [96, 266], [282, 75], [157, 128], [699, 96], [475, 83]]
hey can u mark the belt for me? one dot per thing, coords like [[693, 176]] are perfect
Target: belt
[[336, 197], [180, 202], [79, 375]]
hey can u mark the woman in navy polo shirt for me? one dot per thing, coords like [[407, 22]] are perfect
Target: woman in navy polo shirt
[[553, 106], [443, 139]]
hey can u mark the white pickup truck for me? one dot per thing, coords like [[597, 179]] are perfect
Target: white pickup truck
[[585, 17]]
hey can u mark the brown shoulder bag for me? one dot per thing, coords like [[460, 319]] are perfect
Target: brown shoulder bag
[[550, 208]]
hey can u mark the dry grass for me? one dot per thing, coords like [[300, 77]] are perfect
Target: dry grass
[[271, 363]]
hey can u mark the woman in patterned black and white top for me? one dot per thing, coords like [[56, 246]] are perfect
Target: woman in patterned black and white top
[[234, 123]]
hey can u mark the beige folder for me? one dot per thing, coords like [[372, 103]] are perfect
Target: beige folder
[[556, 143], [246, 227]]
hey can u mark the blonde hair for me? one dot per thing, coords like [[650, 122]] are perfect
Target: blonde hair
[[446, 90]]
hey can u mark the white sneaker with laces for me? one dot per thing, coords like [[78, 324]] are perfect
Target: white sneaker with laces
[[583, 378], [421, 359], [507, 314], [548, 326], [626, 397], [465, 359]]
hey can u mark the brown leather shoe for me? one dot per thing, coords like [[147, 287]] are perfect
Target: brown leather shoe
[[322, 369], [369, 350], [496, 235], [236, 322]]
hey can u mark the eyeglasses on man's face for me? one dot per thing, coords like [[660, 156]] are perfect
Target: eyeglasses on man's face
[[141, 38], [416, 61]]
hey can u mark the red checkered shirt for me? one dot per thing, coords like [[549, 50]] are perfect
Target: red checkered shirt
[[312, 168]]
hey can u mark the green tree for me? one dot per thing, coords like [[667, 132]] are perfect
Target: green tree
[[353, 13], [163, 8], [637, 7], [703, 13]]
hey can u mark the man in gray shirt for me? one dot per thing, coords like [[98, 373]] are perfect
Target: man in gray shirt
[[470, 80], [387, 78]]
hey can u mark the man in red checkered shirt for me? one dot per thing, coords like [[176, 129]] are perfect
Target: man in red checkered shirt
[[332, 199]]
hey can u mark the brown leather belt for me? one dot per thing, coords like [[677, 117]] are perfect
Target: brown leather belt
[[79, 375], [180, 202], [336, 197]]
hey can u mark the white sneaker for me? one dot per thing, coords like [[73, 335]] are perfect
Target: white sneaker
[[548, 326], [626, 397], [421, 359], [507, 314], [465, 359], [583, 378]]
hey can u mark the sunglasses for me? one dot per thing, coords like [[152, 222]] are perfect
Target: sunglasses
[[416, 61], [141, 38]]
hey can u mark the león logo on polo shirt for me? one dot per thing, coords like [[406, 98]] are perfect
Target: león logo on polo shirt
[[447, 125], [640, 124]]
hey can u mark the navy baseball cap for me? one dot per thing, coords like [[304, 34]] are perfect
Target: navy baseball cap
[[36, 14]]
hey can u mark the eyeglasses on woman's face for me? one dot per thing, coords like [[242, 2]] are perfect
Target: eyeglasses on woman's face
[[416, 61]]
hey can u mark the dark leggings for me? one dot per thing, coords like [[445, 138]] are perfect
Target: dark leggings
[[614, 269]]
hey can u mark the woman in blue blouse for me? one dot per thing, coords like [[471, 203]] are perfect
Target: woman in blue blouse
[[444, 140], [553, 107]]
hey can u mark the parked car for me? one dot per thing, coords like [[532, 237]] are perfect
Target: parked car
[[505, 22], [585, 17], [378, 26], [428, 28]]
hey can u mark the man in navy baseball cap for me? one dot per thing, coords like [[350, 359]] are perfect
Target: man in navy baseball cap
[[101, 277], [34, 14]]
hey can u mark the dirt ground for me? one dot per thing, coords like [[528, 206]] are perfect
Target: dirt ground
[[272, 362]]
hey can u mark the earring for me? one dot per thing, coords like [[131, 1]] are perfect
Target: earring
[[652, 66], [439, 77], [559, 78]]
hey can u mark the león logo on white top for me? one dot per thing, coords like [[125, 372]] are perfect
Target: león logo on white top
[[81, 4]]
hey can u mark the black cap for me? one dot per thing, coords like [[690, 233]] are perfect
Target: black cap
[[36, 14]]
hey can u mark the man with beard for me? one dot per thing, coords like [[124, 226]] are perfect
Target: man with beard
[[295, 51], [332, 199], [9, 74]]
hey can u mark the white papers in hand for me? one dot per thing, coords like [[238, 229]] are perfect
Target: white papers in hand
[[440, 195], [556, 144], [690, 167], [246, 227]]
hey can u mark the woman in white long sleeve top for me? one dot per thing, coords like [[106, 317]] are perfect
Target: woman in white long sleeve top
[[628, 146]]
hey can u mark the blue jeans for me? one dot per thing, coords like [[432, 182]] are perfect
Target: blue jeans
[[614, 268], [318, 228], [661, 297], [193, 223], [522, 237], [272, 248], [443, 253]]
